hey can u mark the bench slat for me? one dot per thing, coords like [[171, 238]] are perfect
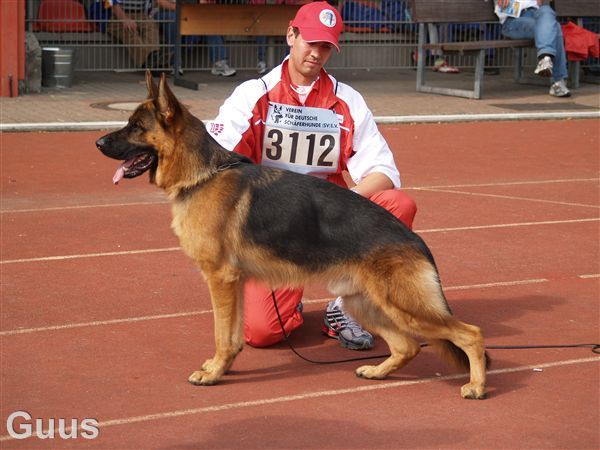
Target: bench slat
[[452, 11], [471, 46], [577, 8]]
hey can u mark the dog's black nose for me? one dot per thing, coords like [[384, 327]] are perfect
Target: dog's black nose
[[100, 143]]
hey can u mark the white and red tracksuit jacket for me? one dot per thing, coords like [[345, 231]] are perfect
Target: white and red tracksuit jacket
[[242, 119]]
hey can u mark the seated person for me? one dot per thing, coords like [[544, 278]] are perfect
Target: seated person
[[217, 50], [537, 21]]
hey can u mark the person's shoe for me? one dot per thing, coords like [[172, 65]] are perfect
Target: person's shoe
[[559, 89], [222, 68], [442, 66], [261, 67], [544, 67], [339, 325]]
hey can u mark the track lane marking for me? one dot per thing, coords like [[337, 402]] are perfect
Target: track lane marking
[[508, 197], [171, 249], [317, 394], [209, 311], [415, 188], [509, 225], [90, 255], [91, 206]]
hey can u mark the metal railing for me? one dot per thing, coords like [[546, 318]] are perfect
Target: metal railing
[[379, 38]]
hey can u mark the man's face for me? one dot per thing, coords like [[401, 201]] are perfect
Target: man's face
[[306, 58]]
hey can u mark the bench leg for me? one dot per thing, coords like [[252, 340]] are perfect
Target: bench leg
[[517, 64], [478, 83], [421, 58]]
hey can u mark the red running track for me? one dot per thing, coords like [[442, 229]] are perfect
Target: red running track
[[102, 316]]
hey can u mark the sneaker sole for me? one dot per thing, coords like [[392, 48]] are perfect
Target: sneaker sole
[[219, 74], [353, 346], [329, 332], [546, 73], [560, 96]]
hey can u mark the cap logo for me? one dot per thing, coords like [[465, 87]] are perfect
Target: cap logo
[[327, 18]]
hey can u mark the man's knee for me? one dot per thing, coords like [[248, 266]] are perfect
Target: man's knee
[[261, 324], [398, 203]]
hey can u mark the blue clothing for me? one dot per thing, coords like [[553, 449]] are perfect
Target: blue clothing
[[216, 48], [540, 25]]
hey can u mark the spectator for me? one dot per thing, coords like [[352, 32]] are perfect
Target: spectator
[[249, 122], [261, 41], [216, 48], [534, 20], [128, 21]]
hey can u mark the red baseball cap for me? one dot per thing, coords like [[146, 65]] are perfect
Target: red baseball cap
[[319, 22]]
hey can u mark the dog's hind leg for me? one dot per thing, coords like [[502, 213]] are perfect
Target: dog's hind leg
[[403, 348], [226, 296], [462, 344], [468, 339]]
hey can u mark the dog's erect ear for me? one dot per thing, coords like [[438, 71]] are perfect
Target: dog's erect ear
[[167, 104], [151, 85]]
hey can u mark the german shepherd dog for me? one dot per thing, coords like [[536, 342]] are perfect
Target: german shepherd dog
[[239, 220]]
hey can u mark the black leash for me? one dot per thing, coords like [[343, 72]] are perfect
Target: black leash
[[594, 347]]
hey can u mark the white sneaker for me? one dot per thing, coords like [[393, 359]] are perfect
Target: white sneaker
[[261, 67], [222, 68], [559, 89], [544, 67]]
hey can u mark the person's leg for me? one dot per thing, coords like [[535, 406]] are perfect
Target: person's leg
[[216, 48], [129, 40], [261, 325], [166, 20], [519, 28], [398, 203], [148, 38], [549, 41]]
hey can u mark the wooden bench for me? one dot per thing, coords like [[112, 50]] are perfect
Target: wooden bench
[[477, 11], [198, 19]]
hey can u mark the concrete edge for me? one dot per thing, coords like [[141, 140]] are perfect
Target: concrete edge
[[442, 118]]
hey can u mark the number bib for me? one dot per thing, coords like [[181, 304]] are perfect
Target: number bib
[[302, 139]]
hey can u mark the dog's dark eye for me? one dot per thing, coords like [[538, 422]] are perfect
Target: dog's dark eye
[[136, 126]]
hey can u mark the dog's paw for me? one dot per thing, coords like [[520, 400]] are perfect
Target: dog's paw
[[369, 372], [472, 392], [203, 378], [208, 365]]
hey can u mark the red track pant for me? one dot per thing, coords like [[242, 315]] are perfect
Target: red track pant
[[261, 326]]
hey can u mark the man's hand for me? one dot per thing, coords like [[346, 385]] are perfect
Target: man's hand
[[130, 25], [504, 3], [373, 183]]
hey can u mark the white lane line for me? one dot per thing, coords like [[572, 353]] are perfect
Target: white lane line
[[509, 225], [96, 323], [506, 183], [318, 394], [509, 197], [76, 207], [415, 188], [90, 255], [590, 275], [209, 311], [171, 249]]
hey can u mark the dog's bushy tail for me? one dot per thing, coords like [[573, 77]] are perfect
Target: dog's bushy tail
[[455, 355]]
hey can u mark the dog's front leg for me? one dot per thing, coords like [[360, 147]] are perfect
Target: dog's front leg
[[226, 296]]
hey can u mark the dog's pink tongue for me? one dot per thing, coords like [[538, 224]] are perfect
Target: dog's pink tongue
[[119, 174]]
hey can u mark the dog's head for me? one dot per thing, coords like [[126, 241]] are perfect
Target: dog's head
[[148, 136]]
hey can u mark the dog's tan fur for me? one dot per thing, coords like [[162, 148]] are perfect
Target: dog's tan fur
[[393, 290]]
